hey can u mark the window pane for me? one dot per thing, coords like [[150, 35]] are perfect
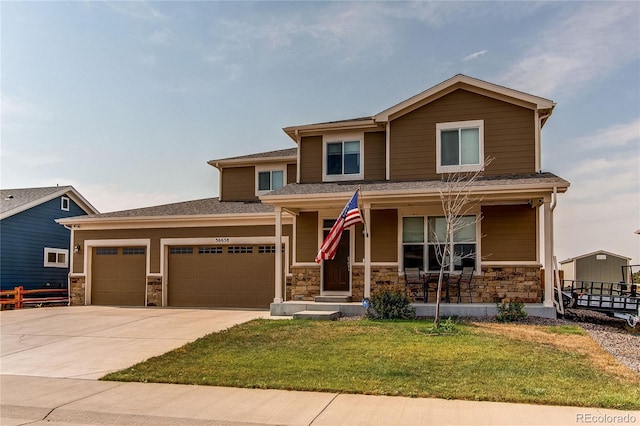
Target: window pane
[[277, 180], [351, 157], [468, 232], [263, 181], [352, 147], [413, 256], [351, 164], [51, 257], [334, 148], [437, 230], [334, 158], [470, 146], [464, 255], [62, 258], [412, 230], [435, 255], [449, 148]]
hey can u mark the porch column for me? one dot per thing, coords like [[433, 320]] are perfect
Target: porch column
[[548, 252], [278, 280], [367, 250]]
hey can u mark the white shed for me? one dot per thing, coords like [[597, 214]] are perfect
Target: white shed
[[599, 266]]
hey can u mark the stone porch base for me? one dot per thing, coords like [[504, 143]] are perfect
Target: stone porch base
[[422, 309]]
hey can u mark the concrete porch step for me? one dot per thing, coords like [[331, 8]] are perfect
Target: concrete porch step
[[332, 299], [318, 315]]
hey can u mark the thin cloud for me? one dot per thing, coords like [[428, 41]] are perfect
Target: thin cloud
[[618, 135], [590, 42], [475, 55], [136, 9]]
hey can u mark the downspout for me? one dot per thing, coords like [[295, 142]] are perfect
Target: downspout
[[555, 275], [71, 253]]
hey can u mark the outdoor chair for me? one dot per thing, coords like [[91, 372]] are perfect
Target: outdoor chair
[[414, 284], [431, 283], [464, 281]]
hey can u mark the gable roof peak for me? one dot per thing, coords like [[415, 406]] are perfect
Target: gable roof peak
[[14, 201], [543, 105]]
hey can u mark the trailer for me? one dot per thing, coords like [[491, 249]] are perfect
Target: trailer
[[619, 300]]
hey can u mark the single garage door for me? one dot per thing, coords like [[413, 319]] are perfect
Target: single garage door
[[118, 276], [221, 276]]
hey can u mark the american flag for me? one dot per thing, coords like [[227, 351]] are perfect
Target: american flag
[[350, 216]]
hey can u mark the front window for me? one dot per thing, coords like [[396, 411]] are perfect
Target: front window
[[459, 146], [343, 159], [424, 239]]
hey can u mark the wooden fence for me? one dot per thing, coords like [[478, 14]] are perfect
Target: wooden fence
[[17, 299]]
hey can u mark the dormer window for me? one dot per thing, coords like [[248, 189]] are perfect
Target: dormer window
[[343, 158], [459, 146]]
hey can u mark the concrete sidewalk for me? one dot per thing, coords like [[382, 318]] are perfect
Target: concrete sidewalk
[[58, 401]]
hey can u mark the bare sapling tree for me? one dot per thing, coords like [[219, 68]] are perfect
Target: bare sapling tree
[[458, 206]]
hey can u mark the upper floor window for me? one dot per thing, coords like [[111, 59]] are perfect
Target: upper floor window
[[459, 146], [343, 158], [270, 181], [64, 204]]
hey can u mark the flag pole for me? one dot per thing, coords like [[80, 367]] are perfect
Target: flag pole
[[365, 232]]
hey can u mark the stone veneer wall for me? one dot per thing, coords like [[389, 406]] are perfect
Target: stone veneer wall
[[509, 284], [496, 284], [154, 291], [76, 298], [305, 282]]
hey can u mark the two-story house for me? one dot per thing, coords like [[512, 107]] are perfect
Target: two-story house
[[224, 251]]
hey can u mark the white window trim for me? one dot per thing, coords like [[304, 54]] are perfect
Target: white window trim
[[342, 137], [65, 203], [270, 168], [49, 250], [460, 125]]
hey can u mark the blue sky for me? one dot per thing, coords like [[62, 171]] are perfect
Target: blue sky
[[127, 101]]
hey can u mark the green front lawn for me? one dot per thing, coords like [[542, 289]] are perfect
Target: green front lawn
[[482, 361]]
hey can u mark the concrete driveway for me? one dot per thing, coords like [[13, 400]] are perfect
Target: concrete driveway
[[90, 341]]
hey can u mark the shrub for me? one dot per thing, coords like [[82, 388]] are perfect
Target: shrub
[[390, 302], [510, 312]]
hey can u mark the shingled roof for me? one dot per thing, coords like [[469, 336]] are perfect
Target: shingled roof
[[265, 156], [490, 182], [203, 207], [13, 201]]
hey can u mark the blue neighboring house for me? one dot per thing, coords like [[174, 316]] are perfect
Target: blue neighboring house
[[34, 249]]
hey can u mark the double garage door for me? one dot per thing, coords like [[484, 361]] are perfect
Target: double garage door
[[198, 276]]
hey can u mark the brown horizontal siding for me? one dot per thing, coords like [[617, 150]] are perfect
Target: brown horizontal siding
[[384, 235], [307, 236], [154, 235], [509, 135], [374, 156], [292, 172], [509, 233], [238, 184], [311, 159]]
